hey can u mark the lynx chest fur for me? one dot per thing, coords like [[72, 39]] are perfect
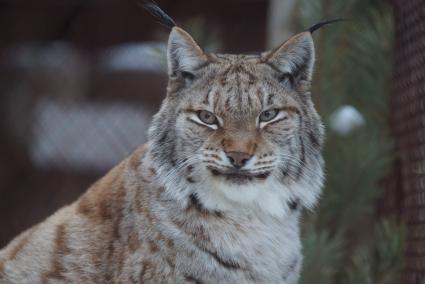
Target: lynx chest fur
[[215, 195]]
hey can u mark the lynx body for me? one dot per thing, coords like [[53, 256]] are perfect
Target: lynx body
[[215, 195]]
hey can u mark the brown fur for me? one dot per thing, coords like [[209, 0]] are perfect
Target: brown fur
[[61, 250]]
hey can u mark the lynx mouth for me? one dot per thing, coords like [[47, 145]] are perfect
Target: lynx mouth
[[238, 176]]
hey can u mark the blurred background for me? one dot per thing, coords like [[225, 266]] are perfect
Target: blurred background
[[80, 80]]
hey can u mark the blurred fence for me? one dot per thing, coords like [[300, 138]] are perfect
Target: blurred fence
[[65, 120], [405, 189]]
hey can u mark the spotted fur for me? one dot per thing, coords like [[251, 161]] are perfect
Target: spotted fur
[[180, 209]]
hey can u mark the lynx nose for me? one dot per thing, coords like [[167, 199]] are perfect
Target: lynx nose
[[238, 159]]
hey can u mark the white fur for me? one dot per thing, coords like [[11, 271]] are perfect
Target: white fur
[[268, 196]]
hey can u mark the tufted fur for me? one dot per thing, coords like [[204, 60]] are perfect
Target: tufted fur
[[176, 211]]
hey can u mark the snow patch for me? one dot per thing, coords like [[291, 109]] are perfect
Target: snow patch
[[345, 119], [149, 56]]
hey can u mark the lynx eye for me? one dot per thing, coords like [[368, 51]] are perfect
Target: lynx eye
[[207, 117], [268, 115]]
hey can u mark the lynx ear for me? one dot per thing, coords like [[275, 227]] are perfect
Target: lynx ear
[[184, 55], [295, 57]]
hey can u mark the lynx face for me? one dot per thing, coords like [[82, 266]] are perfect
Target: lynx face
[[239, 129]]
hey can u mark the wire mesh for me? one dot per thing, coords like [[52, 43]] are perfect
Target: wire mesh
[[405, 188]]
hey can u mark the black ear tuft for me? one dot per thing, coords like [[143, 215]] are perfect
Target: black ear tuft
[[322, 24], [160, 15]]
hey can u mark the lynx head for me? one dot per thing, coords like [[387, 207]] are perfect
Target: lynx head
[[239, 131]]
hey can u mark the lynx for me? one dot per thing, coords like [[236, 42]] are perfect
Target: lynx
[[215, 196]]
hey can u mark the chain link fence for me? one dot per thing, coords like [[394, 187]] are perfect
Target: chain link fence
[[404, 194]]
